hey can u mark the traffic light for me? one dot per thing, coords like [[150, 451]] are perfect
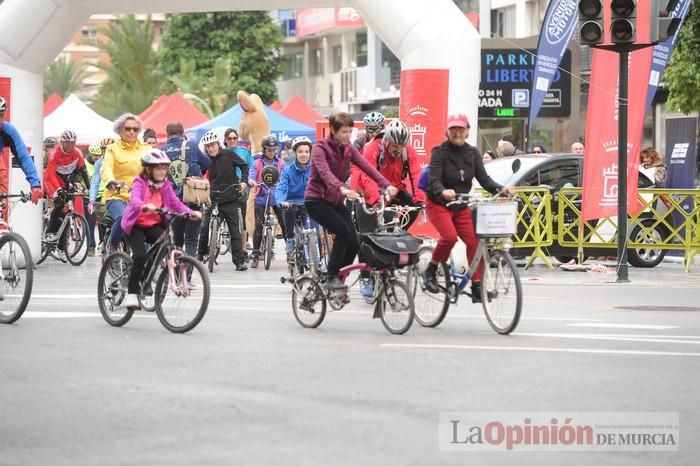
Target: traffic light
[[590, 22], [663, 26], [623, 21]]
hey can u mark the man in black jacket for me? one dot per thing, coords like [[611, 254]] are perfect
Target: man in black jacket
[[226, 188]]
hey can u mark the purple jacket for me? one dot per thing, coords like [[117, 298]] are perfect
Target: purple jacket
[[329, 170], [138, 194]]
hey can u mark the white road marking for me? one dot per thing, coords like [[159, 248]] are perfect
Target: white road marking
[[630, 326], [58, 315], [611, 337], [539, 349]]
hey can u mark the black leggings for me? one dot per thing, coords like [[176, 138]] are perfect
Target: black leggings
[[137, 242], [336, 219]]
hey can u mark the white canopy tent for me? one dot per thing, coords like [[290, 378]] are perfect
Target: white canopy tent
[[73, 114]]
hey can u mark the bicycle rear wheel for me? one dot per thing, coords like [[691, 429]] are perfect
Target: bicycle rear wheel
[[213, 242], [396, 306], [308, 303], [112, 286], [76, 239], [45, 248], [501, 293], [181, 305], [430, 308], [17, 277], [269, 242]]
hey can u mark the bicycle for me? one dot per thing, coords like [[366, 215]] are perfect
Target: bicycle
[[17, 269], [167, 284], [384, 255], [501, 290], [267, 245], [310, 252], [219, 236], [73, 233]]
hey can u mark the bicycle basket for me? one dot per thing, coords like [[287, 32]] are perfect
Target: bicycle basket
[[495, 219], [389, 249], [101, 214]]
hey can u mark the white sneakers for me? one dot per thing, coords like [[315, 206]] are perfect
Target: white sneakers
[[131, 301]]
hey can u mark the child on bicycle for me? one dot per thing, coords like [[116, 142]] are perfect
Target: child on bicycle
[[64, 161], [291, 187], [140, 223]]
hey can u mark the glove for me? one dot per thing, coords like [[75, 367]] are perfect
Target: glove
[[59, 192], [37, 194], [111, 185]]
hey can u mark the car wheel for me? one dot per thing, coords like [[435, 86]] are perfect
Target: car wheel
[[646, 257]]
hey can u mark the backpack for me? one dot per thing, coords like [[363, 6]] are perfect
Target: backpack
[[424, 181], [178, 168]]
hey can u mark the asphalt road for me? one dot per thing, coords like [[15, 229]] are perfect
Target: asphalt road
[[250, 386]]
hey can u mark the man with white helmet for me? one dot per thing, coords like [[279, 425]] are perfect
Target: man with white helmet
[[65, 161], [291, 187], [398, 162], [9, 137], [226, 187]]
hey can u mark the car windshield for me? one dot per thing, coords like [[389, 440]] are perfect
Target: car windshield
[[501, 170]]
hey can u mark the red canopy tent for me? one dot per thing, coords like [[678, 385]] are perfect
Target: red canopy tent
[[297, 109], [276, 106], [168, 109], [52, 103]]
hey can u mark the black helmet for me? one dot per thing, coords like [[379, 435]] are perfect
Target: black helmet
[[270, 175], [270, 142]]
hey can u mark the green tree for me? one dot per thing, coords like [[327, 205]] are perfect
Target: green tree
[[63, 77], [133, 79], [213, 89], [683, 73], [249, 39]]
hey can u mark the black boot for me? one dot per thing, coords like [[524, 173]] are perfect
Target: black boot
[[429, 279], [336, 284], [476, 293]]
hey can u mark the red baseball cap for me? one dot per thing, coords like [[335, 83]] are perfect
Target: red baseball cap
[[457, 120]]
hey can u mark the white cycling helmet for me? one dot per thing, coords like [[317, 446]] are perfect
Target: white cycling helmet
[[298, 141], [3, 106], [397, 132], [68, 136], [154, 157], [373, 120], [209, 137]]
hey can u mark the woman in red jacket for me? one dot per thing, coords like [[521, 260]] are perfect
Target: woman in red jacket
[[326, 191]]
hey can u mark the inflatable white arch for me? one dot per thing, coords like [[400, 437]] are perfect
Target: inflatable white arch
[[438, 47]]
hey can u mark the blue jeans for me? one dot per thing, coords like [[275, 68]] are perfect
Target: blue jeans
[[116, 208]]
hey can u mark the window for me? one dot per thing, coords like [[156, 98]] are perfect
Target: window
[[316, 62], [89, 33], [390, 61], [557, 176], [295, 66], [503, 22], [361, 49], [337, 58]]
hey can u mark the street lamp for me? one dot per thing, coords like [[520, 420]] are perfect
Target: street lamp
[[201, 101]]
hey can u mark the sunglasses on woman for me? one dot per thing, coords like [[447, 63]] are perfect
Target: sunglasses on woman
[[131, 129]]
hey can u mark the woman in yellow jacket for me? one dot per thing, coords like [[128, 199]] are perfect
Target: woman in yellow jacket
[[121, 165]]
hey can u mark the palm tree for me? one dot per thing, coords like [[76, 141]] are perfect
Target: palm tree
[[213, 90], [133, 78], [64, 77]]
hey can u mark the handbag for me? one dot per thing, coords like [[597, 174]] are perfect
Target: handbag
[[196, 191]]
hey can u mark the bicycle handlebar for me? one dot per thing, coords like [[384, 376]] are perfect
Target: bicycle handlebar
[[117, 186], [22, 196], [471, 199], [373, 210]]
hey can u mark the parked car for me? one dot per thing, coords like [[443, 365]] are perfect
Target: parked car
[[558, 171]]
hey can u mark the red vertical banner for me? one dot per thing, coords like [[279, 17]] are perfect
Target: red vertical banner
[[600, 175], [6, 93], [424, 95]]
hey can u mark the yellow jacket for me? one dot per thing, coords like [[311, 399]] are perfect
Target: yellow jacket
[[122, 162]]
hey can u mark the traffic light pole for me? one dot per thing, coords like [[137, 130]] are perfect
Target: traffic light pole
[[622, 105]]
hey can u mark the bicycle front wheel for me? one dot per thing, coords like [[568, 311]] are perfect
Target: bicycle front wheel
[[501, 293], [182, 303], [308, 303], [17, 277], [45, 248], [112, 286], [269, 241], [396, 306], [76, 239], [213, 242], [431, 308]]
